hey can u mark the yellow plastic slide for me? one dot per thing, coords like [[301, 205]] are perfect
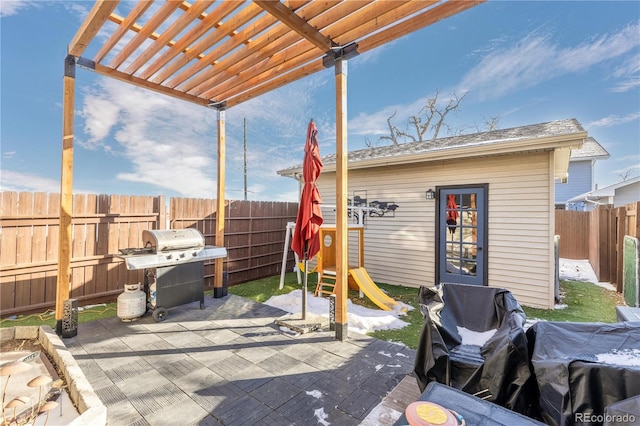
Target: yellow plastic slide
[[371, 290]]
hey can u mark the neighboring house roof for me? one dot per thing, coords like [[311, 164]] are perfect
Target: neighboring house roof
[[597, 195], [560, 135], [590, 150]]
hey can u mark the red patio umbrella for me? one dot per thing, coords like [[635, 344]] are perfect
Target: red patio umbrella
[[452, 213], [305, 242]]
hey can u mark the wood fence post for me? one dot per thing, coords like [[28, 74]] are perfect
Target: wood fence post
[[610, 252], [621, 231]]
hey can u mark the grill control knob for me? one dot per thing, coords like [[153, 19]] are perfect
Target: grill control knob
[[169, 256], [181, 255]]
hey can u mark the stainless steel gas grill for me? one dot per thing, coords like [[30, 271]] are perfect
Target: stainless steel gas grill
[[173, 263]]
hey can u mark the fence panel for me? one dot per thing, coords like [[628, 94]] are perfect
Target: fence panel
[[101, 225], [254, 234], [573, 228]]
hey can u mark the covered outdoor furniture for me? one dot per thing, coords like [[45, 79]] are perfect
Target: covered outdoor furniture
[[496, 369], [474, 411], [583, 368]]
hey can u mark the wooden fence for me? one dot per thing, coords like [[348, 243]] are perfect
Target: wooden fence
[[598, 236], [103, 224]]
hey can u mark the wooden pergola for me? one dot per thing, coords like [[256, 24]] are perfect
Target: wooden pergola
[[220, 54]]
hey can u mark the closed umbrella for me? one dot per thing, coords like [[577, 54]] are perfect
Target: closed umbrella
[[305, 235], [452, 213]]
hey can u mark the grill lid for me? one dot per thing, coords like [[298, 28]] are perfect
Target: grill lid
[[172, 239]]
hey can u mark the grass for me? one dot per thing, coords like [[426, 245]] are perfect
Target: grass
[[86, 314], [585, 303]]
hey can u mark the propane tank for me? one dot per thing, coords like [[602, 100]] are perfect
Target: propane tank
[[152, 291], [131, 303]]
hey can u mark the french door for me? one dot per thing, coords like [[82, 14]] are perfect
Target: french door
[[462, 235]]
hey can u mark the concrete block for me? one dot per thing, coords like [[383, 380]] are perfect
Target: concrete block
[[26, 333], [7, 333]]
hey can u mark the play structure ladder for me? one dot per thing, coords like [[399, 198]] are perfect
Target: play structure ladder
[[326, 284]]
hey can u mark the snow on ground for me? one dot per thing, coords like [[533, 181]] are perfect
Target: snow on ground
[[364, 320], [580, 270], [361, 319]]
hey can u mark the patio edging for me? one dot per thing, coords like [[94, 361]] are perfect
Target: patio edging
[[91, 409]]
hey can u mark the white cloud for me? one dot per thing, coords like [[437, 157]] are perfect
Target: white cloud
[[173, 144], [536, 58], [614, 120], [628, 74], [532, 60], [169, 143], [13, 7], [629, 158], [29, 182], [629, 171]]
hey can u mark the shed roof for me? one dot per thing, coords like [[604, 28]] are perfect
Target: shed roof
[[607, 191], [543, 136], [227, 52], [590, 150]]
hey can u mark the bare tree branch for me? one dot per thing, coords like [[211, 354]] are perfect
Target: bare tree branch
[[432, 118], [453, 105], [392, 130]]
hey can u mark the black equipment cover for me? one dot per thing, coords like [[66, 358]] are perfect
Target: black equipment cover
[[500, 369], [571, 380]]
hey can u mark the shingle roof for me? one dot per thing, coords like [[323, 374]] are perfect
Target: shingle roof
[[590, 149], [533, 131]]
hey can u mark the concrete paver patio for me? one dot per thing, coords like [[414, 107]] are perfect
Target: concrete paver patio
[[229, 364]]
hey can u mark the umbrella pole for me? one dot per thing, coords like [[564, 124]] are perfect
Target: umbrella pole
[[304, 289]]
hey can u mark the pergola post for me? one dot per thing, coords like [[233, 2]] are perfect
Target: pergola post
[[66, 191], [342, 251], [218, 290]]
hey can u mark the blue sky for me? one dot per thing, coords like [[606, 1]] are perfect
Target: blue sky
[[524, 62]]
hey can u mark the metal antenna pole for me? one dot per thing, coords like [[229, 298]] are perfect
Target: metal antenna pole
[[245, 158]]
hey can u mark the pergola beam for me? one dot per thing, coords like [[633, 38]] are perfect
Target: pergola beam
[[275, 40], [145, 84], [91, 25], [297, 24]]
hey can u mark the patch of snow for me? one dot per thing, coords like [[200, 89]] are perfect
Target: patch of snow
[[394, 366], [321, 416], [361, 320], [476, 338], [628, 357], [402, 355], [580, 270], [529, 322], [82, 308], [560, 306], [290, 332], [379, 366], [315, 393], [384, 353]]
